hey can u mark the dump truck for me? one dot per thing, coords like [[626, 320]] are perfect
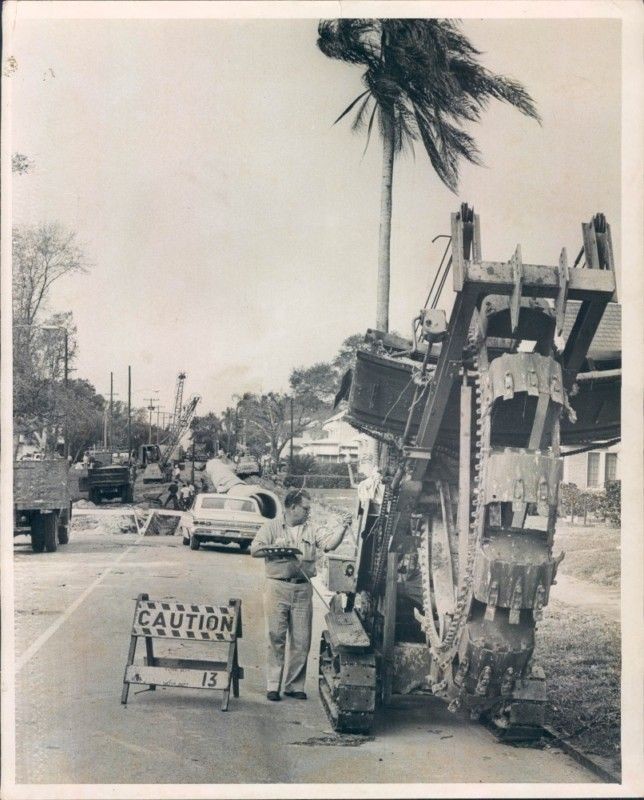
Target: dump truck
[[456, 556], [107, 481], [42, 503]]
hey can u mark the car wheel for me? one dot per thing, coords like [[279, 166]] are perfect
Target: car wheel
[[243, 546], [194, 543]]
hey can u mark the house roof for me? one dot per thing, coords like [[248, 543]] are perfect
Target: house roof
[[608, 336]]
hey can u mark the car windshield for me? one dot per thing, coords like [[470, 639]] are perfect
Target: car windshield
[[227, 503]]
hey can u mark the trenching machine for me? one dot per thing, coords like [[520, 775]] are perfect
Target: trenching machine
[[454, 561]]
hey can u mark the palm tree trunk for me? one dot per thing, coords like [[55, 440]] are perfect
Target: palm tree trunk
[[384, 245]]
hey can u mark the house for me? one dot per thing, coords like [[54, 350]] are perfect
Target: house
[[335, 441], [594, 469]]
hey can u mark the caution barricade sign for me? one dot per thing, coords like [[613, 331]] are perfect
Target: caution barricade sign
[[210, 623]]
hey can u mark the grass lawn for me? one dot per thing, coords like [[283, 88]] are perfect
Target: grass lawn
[[580, 653], [592, 552]]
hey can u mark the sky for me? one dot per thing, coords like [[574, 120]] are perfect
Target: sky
[[232, 229]]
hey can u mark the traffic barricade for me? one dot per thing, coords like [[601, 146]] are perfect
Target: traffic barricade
[[171, 620]]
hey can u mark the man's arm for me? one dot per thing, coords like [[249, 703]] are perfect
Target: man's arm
[[263, 538], [332, 540]]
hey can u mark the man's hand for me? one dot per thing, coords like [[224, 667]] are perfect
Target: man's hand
[[347, 519]]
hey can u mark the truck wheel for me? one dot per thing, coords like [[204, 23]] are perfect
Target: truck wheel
[[37, 534], [63, 525], [63, 533], [194, 542], [50, 525]]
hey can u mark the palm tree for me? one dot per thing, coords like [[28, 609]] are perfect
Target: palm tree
[[422, 81]]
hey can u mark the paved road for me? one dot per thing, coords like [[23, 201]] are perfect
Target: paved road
[[73, 613]]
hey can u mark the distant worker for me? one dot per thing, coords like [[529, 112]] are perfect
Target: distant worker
[[172, 498], [185, 495], [176, 472], [288, 606]]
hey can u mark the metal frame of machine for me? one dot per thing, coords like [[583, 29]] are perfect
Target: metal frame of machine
[[455, 561]]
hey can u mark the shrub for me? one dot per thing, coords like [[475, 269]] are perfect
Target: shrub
[[317, 474], [612, 502], [575, 502]]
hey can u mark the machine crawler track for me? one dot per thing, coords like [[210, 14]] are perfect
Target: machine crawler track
[[347, 683]]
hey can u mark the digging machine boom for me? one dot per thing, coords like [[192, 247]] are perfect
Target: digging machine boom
[[178, 430]]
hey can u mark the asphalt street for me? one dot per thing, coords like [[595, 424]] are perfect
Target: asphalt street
[[73, 614]]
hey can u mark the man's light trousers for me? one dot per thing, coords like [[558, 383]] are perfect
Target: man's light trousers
[[288, 609]]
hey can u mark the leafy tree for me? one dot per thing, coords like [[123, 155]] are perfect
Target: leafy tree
[[230, 429], [42, 254], [268, 421], [39, 394], [139, 427], [205, 432], [314, 386], [423, 81], [344, 358]]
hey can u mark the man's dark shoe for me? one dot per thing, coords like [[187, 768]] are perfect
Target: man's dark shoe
[[273, 696], [296, 695]]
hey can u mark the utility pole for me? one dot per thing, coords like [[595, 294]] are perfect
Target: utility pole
[[129, 413], [66, 421], [291, 458], [150, 408], [111, 406]]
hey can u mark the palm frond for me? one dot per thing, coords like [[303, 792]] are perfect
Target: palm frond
[[350, 106], [371, 119], [423, 75], [359, 120]]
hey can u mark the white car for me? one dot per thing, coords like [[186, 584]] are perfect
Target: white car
[[224, 519]]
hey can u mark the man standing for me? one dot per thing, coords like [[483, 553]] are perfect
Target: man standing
[[288, 603]]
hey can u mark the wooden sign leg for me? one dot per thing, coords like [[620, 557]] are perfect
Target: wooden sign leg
[[235, 671], [130, 661], [149, 657], [229, 675], [131, 652]]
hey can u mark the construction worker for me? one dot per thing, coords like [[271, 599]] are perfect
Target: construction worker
[[185, 496], [288, 606], [172, 498]]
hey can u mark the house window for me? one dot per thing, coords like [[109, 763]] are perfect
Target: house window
[[592, 477], [611, 467]]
